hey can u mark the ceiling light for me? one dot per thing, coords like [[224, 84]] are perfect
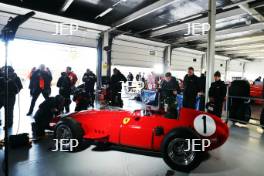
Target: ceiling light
[[66, 5], [104, 13]]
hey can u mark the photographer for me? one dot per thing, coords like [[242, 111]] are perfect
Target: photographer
[[14, 87]]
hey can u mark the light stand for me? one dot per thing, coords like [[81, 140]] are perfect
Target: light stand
[[8, 33]]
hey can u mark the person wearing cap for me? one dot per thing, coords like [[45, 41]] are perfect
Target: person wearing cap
[[14, 87], [217, 94]]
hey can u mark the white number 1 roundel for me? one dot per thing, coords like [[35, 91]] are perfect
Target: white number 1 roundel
[[204, 125]]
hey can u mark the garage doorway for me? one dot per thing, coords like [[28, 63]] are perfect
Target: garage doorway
[[26, 54]]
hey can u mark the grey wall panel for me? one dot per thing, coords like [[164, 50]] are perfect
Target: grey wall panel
[[127, 53], [236, 66]]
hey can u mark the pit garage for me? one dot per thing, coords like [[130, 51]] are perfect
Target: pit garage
[[127, 70]]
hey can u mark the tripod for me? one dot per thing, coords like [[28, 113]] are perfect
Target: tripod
[[7, 34]]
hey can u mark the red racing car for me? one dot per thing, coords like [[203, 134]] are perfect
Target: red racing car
[[179, 140]]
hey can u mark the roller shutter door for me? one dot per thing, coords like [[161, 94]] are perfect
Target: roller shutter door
[[180, 61], [125, 53]]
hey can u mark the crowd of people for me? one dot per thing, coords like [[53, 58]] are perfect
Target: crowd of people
[[191, 88], [84, 94]]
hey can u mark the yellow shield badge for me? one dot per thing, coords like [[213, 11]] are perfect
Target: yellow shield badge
[[126, 120]]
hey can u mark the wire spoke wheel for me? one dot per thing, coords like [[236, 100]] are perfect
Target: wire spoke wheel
[[177, 152]]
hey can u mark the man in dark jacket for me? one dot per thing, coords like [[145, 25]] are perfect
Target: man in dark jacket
[[39, 84], [14, 87], [217, 94], [47, 110], [64, 85], [169, 89], [191, 89], [202, 82], [89, 79], [115, 88], [130, 78]]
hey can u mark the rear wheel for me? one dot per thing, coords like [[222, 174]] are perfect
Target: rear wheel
[[66, 130], [175, 152]]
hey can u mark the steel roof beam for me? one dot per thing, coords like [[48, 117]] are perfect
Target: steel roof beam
[[257, 27], [143, 12], [183, 26], [251, 11]]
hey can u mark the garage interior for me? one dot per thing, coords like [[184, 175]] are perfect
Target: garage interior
[[136, 36]]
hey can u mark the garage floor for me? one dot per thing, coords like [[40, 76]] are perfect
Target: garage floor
[[242, 155]]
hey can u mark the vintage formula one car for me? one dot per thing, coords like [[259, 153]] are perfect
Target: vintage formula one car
[[148, 130]]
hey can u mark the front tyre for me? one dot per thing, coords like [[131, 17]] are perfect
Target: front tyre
[[173, 149], [66, 130]]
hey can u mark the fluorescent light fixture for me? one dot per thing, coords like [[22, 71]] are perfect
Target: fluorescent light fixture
[[156, 28], [190, 18], [66, 5], [104, 13]]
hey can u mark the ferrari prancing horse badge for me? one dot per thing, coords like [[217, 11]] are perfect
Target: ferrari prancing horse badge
[[126, 120]]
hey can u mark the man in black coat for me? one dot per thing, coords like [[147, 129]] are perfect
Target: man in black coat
[[39, 84], [89, 79], [202, 82], [115, 88], [14, 87], [191, 89], [51, 107], [169, 89], [64, 85], [217, 94]]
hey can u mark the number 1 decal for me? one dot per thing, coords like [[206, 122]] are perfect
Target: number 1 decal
[[204, 125]]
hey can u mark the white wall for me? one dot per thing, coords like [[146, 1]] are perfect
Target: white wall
[[254, 69]]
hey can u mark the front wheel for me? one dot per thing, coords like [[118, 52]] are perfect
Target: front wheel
[[65, 131], [175, 154]]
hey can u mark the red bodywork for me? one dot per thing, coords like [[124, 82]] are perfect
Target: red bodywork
[[136, 130]]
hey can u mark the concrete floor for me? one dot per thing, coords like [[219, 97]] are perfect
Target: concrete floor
[[241, 155]]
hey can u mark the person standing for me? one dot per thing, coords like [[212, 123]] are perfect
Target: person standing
[[169, 89], [72, 76], [191, 89], [14, 86], [64, 85], [217, 94], [30, 77], [39, 84], [130, 78], [89, 79], [202, 82], [116, 87], [138, 76]]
